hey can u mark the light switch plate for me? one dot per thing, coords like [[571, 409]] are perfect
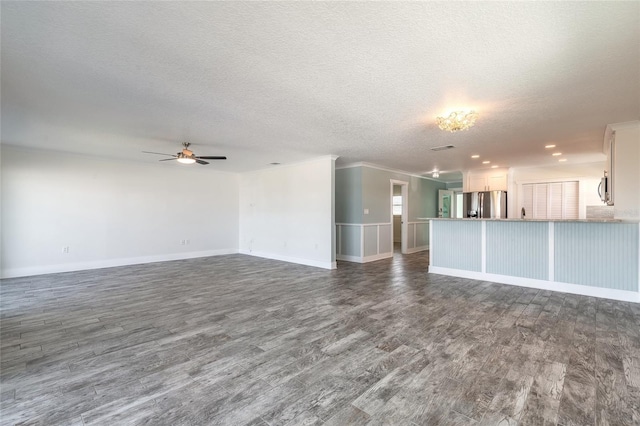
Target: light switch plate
[[366, 211]]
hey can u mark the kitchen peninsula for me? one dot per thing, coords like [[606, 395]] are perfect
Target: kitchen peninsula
[[599, 258]]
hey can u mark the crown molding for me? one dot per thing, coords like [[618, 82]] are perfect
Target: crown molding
[[624, 125], [386, 169], [292, 164]]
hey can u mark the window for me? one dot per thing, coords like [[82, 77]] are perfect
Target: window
[[397, 205]]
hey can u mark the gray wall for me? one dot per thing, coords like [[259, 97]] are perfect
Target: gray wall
[[348, 204], [423, 195]]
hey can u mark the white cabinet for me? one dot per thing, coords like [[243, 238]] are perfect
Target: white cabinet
[[497, 182], [609, 167], [477, 183], [622, 145], [487, 181]]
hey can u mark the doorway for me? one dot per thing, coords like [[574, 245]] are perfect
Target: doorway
[[399, 214], [446, 203]]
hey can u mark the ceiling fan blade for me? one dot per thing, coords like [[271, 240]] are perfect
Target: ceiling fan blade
[[159, 153], [212, 158], [168, 159], [201, 162]]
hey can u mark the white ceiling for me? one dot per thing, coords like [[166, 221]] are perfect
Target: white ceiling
[[281, 82]]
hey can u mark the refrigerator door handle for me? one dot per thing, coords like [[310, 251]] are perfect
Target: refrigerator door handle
[[480, 205]]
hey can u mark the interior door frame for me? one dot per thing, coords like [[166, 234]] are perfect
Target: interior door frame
[[452, 206], [404, 225]]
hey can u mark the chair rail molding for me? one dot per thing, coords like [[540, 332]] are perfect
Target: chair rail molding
[[368, 242]]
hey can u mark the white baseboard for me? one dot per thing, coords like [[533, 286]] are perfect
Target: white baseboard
[[109, 263], [417, 249], [379, 256], [344, 257], [290, 259], [358, 259], [583, 290]]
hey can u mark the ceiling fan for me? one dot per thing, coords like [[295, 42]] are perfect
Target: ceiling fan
[[186, 156]]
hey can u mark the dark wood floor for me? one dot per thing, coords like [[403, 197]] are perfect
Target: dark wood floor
[[240, 340]]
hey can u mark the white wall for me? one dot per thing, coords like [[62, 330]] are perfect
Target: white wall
[[110, 212], [588, 175], [286, 213]]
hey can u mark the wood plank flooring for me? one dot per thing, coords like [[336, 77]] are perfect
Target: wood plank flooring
[[235, 340]]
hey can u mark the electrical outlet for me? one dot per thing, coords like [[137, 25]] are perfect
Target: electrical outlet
[[65, 249], [188, 242], [366, 211], [183, 242]]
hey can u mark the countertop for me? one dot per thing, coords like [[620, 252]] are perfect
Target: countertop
[[594, 220]]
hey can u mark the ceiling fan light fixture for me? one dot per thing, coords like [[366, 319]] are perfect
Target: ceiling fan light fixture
[[186, 156], [457, 120]]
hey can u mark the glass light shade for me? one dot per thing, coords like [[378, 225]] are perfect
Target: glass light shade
[[186, 160], [457, 120]]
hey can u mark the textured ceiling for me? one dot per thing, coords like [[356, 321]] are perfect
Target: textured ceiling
[[281, 82]]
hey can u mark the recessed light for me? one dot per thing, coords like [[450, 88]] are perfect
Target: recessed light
[[486, 162], [475, 156], [549, 146], [275, 164], [494, 166], [562, 159], [555, 154]]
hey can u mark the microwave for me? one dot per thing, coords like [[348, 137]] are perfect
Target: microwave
[[604, 191]]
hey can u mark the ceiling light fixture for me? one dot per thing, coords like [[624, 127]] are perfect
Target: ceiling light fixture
[[435, 174], [486, 162], [549, 146], [475, 156], [494, 166], [186, 160], [555, 154], [562, 159], [457, 120]]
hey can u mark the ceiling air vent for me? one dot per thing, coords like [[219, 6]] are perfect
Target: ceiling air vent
[[442, 148]]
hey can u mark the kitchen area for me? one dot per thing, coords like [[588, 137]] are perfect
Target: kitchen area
[[575, 235]]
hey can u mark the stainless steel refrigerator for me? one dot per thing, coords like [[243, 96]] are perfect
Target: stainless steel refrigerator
[[486, 204]]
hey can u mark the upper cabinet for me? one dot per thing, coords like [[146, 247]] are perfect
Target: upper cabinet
[[622, 147], [476, 183], [487, 180], [606, 187], [497, 182]]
